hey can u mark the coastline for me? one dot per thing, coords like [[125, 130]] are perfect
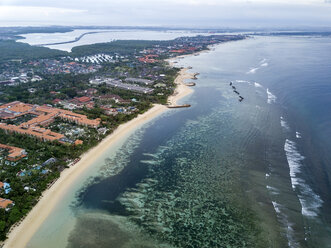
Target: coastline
[[21, 234], [181, 90]]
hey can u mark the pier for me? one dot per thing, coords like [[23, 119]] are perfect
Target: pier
[[179, 106]]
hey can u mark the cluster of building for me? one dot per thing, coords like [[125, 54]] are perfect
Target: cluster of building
[[14, 153], [115, 98], [83, 101], [97, 59], [27, 71], [150, 58], [140, 81], [117, 83], [14, 78], [44, 116], [41, 168], [184, 45], [77, 102], [52, 66], [5, 203]]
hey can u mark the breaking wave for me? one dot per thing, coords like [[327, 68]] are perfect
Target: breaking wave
[[284, 124], [242, 81], [257, 85], [282, 217], [263, 63], [272, 190], [253, 70], [309, 200], [271, 97]]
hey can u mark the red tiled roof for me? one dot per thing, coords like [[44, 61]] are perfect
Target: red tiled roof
[[45, 116], [83, 99], [5, 202]]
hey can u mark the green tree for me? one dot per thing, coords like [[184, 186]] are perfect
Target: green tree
[[2, 225]]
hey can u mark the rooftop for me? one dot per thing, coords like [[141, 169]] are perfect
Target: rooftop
[[4, 203]]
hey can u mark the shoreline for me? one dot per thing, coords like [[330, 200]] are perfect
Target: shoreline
[[21, 234], [181, 90]]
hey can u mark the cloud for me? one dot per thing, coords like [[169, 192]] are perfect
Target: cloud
[[34, 14], [191, 13]]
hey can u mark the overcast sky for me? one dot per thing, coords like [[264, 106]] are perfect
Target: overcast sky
[[183, 13]]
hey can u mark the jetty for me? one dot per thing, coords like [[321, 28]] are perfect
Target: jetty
[[179, 106]]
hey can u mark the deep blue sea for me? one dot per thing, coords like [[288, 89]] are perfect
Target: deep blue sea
[[225, 173]]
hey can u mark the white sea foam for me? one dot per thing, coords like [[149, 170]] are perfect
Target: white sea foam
[[253, 70], [284, 124], [272, 190], [151, 162], [257, 85], [263, 61], [294, 159], [151, 155], [276, 207], [292, 243], [271, 97], [242, 81], [298, 135], [310, 201]]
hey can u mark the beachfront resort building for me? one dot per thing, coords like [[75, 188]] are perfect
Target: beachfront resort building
[[5, 203], [43, 116], [14, 153]]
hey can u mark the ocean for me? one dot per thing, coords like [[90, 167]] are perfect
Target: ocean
[[223, 173]]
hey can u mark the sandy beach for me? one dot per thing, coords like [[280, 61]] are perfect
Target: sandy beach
[[181, 89], [21, 234]]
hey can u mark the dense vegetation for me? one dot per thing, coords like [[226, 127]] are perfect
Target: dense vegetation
[[11, 49]]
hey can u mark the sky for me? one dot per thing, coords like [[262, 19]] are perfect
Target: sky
[[168, 13]]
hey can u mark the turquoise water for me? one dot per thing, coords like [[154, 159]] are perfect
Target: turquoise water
[[222, 173]]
